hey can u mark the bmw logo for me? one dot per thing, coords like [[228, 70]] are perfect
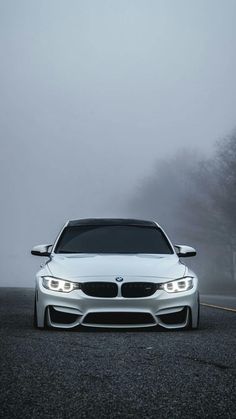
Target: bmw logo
[[119, 279]]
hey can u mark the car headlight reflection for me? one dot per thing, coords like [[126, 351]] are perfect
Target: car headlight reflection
[[56, 284], [180, 285]]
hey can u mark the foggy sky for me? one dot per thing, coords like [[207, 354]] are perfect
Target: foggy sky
[[93, 93]]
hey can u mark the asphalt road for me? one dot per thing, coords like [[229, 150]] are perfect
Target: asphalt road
[[101, 373], [220, 301]]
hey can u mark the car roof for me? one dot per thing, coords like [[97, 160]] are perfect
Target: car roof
[[111, 221]]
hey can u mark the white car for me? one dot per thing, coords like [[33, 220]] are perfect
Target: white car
[[115, 273]]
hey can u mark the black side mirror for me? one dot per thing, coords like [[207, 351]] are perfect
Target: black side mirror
[[42, 250], [185, 251]]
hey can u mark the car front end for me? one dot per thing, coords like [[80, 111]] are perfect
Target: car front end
[[116, 290], [106, 302]]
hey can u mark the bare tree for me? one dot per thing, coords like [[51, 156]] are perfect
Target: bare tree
[[195, 198]]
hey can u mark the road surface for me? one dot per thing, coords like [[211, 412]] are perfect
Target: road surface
[[102, 373], [227, 302]]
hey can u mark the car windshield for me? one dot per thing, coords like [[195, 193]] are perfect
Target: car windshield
[[113, 239]]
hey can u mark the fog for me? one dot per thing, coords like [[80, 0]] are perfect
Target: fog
[[94, 95]]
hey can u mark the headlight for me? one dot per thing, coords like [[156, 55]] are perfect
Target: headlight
[[183, 284], [56, 284]]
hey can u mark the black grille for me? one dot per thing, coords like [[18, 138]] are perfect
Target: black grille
[[138, 289], [119, 318], [100, 289]]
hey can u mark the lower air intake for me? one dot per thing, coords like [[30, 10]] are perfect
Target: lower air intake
[[119, 318], [62, 317], [174, 318]]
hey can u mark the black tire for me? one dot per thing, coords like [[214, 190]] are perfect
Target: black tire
[[35, 317], [189, 326], [198, 314], [35, 320], [46, 326]]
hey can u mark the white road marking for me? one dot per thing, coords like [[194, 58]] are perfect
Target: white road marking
[[220, 307]]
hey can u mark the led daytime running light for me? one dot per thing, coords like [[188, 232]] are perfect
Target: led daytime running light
[[59, 285], [180, 285]]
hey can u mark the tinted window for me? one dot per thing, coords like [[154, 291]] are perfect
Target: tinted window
[[113, 239]]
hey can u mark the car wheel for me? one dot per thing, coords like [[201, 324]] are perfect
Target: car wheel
[[35, 318], [190, 326], [46, 325], [198, 313]]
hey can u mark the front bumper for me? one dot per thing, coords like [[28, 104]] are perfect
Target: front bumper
[[168, 310]]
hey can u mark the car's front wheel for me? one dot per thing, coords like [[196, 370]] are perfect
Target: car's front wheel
[[35, 320], [190, 326], [35, 316]]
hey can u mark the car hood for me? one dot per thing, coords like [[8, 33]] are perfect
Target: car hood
[[96, 265]]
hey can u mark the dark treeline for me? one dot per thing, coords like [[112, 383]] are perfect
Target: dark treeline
[[194, 198]]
